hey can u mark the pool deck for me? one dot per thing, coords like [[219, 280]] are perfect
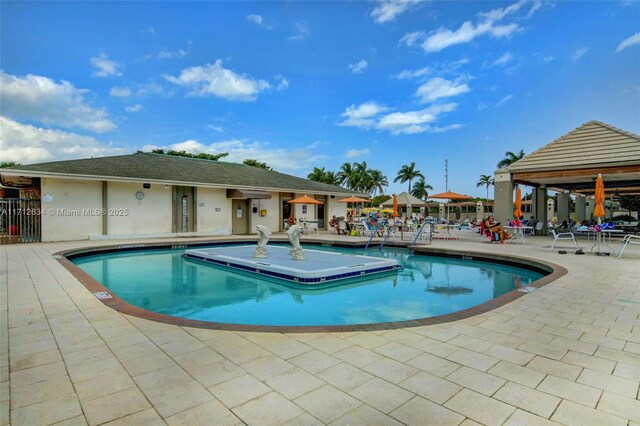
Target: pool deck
[[567, 353]]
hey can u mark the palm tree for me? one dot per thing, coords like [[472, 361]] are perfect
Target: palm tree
[[511, 158], [379, 181], [485, 180], [361, 180], [317, 174], [331, 178], [408, 173], [345, 175], [420, 189]]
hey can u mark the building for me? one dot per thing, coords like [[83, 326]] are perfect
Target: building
[[569, 166], [155, 195]]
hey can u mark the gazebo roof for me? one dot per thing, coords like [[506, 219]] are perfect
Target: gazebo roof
[[404, 198], [572, 161]]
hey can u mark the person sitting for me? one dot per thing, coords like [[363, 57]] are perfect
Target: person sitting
[[374, 224], [291, 221], [495, 228], [335, 224]]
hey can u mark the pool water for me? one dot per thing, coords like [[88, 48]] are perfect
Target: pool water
[[164, 281]]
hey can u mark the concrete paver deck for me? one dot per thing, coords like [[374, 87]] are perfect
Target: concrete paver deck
[[567, 353]]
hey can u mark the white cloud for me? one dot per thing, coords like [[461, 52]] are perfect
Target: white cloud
[[503, 60], [218, 129], [579, 53], [413, 38], [255, 19], [25, 143], [120, 92], [488, 24], [133, 108], [409, 74], [357, 152], [412, 122], [362, 115], [239, 150], [359, 66], [301, 32], [548, 58], [283, 85], [503, 101], [215, 80], [104, 66], [387, 10], [438, 87], [630, 41], [41, 99], [167, 54]]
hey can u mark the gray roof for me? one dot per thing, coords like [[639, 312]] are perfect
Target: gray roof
[[594, 144], [174, 169], [404, 199]]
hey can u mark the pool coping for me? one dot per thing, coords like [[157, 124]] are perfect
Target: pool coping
[[553, 271]]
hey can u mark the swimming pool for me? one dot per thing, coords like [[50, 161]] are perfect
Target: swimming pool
[[163, 281]]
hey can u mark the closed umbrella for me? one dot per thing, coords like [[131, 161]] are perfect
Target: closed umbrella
[[518, 203], [395, 206], [599, 210]]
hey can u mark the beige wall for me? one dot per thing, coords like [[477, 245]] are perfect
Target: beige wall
[[271, 220], [210, 219], [337, 209], [150, 215], [71, 215]]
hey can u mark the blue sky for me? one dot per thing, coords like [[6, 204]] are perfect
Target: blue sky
[[304, 84]]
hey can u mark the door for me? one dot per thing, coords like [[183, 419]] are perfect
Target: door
[[321, 213], [240, 219], [183, 209]]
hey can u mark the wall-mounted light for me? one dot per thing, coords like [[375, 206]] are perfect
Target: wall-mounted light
[[146, 185], [166, 187]]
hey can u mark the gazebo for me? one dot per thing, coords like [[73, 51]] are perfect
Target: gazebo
[[570, 165]]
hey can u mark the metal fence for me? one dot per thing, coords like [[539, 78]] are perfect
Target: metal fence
[[19, 221]]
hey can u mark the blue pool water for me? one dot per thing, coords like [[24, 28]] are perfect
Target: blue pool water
[[164, 281]]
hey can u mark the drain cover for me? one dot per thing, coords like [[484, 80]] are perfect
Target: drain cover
[[102, 295], [526, 289]]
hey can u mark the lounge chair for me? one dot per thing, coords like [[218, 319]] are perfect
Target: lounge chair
[[493, 236], [628, 239], [563, 236]]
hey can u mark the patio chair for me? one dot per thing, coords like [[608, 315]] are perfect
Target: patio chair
[[367, 230], [628, 239], [563, 236], [493, 236], [312, 228], [538, 230], [343, 228]]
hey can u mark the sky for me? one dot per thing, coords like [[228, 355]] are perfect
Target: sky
[[316, 83]]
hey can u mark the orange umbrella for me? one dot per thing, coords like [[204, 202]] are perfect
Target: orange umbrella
[[395, 206], [353, 200], [450, 196], [599, 210], [518, 203], [304, 200]]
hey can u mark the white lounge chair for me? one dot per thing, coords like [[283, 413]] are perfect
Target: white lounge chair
[[563, 236], [628, 239]]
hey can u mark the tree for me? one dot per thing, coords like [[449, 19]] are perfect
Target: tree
[[630, 202], [255, 163], [346, 175], [316, 175], [331, 178], [511, 158], [420, 189], [408, 173], [8, 164], [378, 181], [200, 156], [485, 180]]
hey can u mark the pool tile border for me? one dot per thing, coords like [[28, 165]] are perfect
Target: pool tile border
[[553, 271]]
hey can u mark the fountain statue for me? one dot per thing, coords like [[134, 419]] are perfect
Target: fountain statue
[[264, 234], [294, 233]]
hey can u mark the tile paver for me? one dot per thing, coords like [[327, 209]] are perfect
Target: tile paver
[[569, 350]]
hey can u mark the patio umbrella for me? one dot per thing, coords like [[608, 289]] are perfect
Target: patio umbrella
[[370, 209], [387, 210], [395, 206], [353, 200], [304, 200], [518, 203], [599, 210], [449, 195]]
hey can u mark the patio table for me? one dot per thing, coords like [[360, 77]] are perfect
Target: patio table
[[601, 240], [518, 233]]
